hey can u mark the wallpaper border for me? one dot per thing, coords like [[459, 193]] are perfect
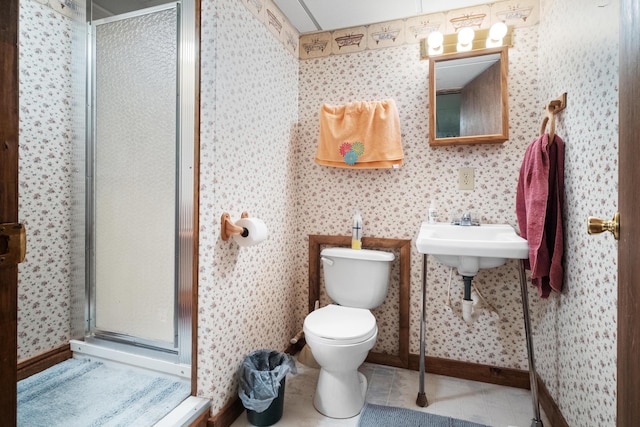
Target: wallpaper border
[[523, 13]]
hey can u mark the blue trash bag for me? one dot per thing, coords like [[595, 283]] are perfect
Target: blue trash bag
[[260, 376]]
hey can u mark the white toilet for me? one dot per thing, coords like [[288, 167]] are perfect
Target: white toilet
[[340, 335]]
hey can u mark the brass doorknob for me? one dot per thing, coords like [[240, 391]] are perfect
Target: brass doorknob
[[597, 225], [13, 244]]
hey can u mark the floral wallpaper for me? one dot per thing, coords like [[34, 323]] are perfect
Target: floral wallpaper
[[248, 297], [64, 7], [393, 203], [44, 179], [576, 331]]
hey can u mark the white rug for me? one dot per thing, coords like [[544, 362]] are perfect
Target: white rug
[[82, 393]]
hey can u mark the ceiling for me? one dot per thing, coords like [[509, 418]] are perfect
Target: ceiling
[[106, 8], [309, 16], [325, 15]]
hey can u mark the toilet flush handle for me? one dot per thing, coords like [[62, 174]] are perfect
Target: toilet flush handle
[[327, 260]]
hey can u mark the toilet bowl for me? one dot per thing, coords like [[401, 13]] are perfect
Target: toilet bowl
[[341, 334], [340, 339]]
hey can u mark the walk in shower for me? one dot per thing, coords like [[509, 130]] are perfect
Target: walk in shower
[[139, 163], [108, 93]]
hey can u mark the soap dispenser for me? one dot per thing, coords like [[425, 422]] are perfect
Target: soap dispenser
[[356, 231]]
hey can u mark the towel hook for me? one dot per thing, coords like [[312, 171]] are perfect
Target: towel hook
[[550, 117]]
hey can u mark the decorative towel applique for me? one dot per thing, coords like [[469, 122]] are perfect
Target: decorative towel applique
[[351, 152], [346, 130]]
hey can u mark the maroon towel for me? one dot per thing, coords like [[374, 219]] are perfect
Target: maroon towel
[[539, 205]]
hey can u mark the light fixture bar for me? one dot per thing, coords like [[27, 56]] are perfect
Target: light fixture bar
[[450, 42]]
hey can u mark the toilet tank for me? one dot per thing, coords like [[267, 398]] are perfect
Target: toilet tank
[[356, 278]]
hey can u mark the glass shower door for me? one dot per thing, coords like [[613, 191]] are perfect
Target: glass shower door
[[133, 296]]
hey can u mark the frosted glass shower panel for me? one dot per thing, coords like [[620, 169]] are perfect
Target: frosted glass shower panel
[[135, 176]]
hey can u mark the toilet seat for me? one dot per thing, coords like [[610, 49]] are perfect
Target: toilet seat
[[341, 325]]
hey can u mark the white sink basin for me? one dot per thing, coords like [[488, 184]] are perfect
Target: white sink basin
[[470, 248]]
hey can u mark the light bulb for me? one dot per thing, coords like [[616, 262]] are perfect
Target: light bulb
[[498, 31], [435, 40], [435, 43], [466, 35], [496, 34], [465, 39]]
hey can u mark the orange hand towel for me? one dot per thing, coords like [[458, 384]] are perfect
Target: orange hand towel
[[364, 135]]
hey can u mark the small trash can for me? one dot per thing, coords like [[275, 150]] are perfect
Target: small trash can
[[262, 383]]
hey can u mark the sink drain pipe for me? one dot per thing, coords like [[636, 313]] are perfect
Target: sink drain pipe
[[469, 314], [467, 287]]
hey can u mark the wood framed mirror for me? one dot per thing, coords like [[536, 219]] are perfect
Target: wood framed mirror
[[468, 97]]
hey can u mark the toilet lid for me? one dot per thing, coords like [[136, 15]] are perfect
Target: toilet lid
[[346, 324]]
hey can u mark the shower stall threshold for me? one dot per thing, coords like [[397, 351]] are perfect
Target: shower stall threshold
[[150, 360], [140, 357], [185, 414]]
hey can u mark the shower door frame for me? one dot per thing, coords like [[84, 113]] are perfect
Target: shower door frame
[[186, 209]]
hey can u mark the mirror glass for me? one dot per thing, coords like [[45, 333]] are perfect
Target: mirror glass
[[468, 98]]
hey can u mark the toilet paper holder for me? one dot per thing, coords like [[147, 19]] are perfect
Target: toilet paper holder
[[228, 228]]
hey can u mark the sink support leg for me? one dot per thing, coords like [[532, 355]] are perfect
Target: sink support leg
[[422, 397], [536, 421]]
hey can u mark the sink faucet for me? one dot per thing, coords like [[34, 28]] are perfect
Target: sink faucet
[[465, 220]]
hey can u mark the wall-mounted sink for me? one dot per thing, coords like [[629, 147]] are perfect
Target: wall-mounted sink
[[470, 248]]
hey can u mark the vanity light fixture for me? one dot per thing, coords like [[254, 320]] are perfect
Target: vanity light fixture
[[466, 39]]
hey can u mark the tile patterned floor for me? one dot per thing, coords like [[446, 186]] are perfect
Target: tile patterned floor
[[488, 404]]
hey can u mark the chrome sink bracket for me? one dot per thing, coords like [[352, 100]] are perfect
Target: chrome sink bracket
[[421, 400], [536, 421]]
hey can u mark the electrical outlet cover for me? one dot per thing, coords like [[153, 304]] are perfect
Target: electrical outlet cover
[[466, 179]]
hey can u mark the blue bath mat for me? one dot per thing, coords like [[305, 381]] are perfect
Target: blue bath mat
[[378, 415], [82, 393]]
